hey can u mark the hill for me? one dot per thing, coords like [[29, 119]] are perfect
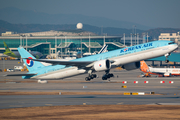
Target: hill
[[17, 16], [26, 28]]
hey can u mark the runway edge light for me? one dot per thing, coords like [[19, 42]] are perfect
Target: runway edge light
[[162, 81], [135, 82], [124, 82], [171, 82], [146, 81]]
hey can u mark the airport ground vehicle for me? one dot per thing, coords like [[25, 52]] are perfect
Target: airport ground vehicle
[[10, 70]]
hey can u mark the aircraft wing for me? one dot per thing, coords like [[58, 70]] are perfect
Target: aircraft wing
[[65, 62], [26, 74]]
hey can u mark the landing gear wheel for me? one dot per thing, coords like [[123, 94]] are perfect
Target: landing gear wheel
[[111, 75], [87, 79], [167, 61], [104, 78], [92, 76]]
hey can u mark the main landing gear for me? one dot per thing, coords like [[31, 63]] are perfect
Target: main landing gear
[[91, 76], [166, 55], [107, 75], [104, 77]]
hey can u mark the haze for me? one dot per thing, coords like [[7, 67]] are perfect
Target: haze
[[154, 13]]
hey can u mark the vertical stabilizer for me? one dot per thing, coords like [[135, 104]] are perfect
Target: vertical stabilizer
[[103, 49], [144, 67], [6, 47], [31, 65]]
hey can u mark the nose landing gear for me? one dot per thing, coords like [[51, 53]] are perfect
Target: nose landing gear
[[167, 55]]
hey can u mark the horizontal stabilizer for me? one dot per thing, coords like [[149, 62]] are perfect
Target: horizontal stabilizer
[[27, 74]]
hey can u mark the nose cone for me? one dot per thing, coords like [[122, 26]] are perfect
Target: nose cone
[[175, 46], [172, 47]]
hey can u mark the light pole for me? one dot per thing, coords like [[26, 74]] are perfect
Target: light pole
[[26, 42], [56, 46], [61, 48], [81, 46], [124, 39], [89, 44], [20, 40], [137, 38], [131, 39], [147, 36]]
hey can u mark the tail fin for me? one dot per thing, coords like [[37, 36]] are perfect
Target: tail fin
[[103, 49], [31, 65], [144, 67], [6, 47], [8, 52]]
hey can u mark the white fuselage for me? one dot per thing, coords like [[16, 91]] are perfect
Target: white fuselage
[[67, 72], [119, 60], [165, 71]]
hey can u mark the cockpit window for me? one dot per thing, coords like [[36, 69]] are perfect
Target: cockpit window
[[171, 43]]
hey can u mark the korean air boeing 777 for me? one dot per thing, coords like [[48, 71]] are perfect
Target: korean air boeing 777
[[129, 58]]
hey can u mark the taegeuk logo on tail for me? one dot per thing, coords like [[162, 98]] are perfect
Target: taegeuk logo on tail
[[30, 63]]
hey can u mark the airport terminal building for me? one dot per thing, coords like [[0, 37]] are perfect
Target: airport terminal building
[[60, 42]]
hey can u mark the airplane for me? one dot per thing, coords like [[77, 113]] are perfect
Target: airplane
[[103, 49], [129, 58], [16, 54], [166, 72], [8, 52]]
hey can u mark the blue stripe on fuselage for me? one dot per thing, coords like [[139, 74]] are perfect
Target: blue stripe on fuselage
[[110, 54]]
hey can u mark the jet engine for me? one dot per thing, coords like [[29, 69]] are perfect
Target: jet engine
[[131, 66], [102, 65]]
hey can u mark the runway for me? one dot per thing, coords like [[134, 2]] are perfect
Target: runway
[[168, 93], [14, 101]]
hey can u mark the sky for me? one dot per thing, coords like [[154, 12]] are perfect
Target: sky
[[154, 13]]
